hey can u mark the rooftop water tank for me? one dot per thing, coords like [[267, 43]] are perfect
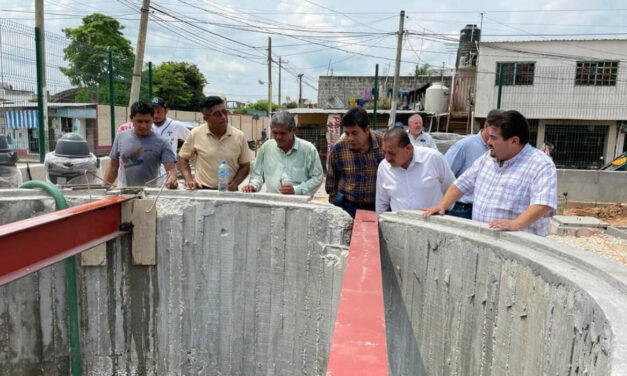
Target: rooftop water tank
[[436, 98]]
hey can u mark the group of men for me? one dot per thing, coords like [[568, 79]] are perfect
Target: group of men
[[151, 147], [495, 176]]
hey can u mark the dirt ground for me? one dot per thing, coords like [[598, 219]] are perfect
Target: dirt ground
[[615, 214]]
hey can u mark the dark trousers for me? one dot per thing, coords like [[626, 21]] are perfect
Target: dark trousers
[[461, 210], [351, 207]]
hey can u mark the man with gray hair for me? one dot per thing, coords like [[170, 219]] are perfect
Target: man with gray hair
[[417, 135], [287, 164]]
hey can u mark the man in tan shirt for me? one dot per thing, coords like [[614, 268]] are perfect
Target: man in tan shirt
[[211, 142]]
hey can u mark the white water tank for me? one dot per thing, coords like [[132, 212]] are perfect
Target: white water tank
[[436, 98]]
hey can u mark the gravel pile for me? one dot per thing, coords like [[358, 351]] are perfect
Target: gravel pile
[[610, 247]]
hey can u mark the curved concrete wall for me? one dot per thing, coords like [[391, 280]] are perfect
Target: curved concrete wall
[[244, 285], [462, 299], [249, 285]]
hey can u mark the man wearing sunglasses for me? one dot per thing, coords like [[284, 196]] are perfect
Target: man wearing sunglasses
[[209, 144]]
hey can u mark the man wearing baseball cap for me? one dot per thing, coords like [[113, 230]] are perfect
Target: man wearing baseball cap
[[174, 132]]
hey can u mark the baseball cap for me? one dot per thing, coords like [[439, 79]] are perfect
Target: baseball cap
[[159, 102]]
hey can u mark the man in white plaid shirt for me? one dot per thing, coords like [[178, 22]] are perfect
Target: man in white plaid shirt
[[515, 184]]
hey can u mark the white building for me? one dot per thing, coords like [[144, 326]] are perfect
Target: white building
[[574, 92]]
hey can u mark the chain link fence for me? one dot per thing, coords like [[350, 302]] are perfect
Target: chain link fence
[[18, 82]]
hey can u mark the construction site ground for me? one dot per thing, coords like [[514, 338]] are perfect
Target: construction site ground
[[593, 240]]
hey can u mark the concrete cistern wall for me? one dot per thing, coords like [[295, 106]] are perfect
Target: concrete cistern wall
[[462, 299], [249, 285], [241, 286]]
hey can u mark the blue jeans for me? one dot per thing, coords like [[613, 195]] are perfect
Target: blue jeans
[[461, 210]]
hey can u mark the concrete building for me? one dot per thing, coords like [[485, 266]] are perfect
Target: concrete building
[[20, 122], [347, 91], [572, 91]]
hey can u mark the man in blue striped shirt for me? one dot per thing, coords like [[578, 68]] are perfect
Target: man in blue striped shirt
[[461, 155]]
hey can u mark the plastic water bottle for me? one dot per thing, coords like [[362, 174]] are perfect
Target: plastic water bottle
[[223, 176]]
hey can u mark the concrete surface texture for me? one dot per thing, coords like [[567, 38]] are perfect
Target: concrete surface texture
[[592, 186], [462, 299], [244, 285]]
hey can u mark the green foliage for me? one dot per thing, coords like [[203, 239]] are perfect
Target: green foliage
[[87, 53], [121, 94], [423, 70], [180, 84], [260, 105]]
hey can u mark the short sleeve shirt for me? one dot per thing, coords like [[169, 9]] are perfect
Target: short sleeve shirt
[[504, 192], [172, 131], [140, 157], [208, 151]]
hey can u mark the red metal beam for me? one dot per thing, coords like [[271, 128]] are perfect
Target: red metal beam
[[32, 244], [359, 346]]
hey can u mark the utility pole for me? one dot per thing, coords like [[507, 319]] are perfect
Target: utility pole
[[300, 89], [397, 69], [139, 54], [43, 106], [269, 79], [279, 103]]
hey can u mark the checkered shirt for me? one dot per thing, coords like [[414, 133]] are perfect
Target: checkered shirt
[[353, 174], [503, 192]]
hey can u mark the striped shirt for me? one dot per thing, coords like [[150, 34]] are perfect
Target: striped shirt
[[353, 174], [504, 192]]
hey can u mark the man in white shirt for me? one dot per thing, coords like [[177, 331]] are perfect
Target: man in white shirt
[[410, 177], [174, 132], [416, 134]]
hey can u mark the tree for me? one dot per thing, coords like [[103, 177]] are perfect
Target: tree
[[87, 52], [260, 105], [180, 84], [423, 70]]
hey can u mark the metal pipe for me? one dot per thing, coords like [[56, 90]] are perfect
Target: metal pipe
[[40, 97], [111, 97], [70, 277], [150, 80], [498, 99], [376, 96]]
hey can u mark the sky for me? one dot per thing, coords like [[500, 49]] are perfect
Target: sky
[[228, 40]]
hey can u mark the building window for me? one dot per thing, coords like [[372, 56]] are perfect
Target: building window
[[515, 73], [596, 73]]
